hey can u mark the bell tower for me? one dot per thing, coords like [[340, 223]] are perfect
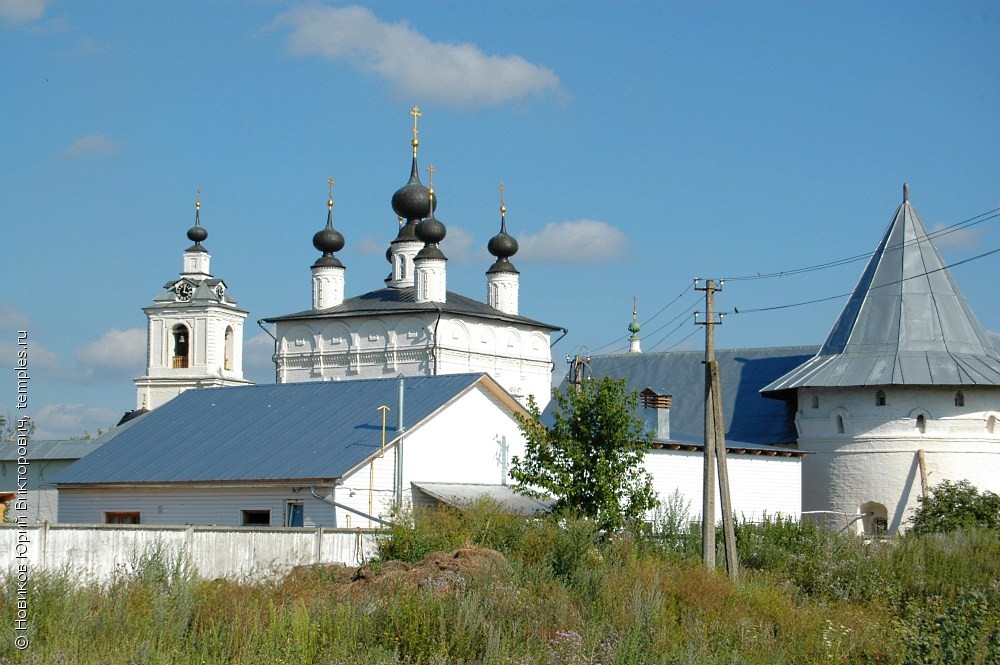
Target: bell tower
[[194, 331]]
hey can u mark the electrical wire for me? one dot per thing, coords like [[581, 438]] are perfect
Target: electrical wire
[[737, 310], [958, 226], [646, 322]]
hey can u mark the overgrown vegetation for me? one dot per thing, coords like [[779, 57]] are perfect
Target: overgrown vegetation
[[952, 506], [544, 592]]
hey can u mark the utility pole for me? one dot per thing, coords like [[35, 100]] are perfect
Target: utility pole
[[577, 365], [715, 444]]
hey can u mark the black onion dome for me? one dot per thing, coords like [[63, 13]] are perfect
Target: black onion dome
[[431, 231], [328, 241], [411, 200], [197, 233], [503, 246]]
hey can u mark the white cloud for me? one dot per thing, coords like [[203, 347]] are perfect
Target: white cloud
[[957, 239], [371, 246], [116, 350], [579, 241], [92, 144], [11, 319], [457, 74], [22, 11], [458, 246], [63, 421], [86, 46]]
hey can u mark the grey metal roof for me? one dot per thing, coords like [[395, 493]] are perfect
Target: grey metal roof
[[314, 431], [463, 494], [49, 450], [749, 418], [907, 323], [400, 301]]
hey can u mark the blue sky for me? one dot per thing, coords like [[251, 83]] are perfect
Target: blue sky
[[641, 145]]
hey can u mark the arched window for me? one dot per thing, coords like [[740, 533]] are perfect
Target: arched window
[[959, 398], [880, 398], [921, 423], [875, 518], [182, 343], [840, 424], [227, 361], [815, 401]]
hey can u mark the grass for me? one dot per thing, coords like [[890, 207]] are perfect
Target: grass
[[562, 593]]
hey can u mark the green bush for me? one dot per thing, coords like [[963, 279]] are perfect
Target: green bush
[[953, 506]]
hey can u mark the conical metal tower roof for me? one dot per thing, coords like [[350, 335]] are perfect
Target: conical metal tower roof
[[907, 323]]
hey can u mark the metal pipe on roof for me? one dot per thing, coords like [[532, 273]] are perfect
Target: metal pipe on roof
[[312, 490]]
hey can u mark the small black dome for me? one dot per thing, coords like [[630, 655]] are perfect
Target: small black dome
[[413, 200], [431, 230], [197, 233], [329, 240], [502, 245]]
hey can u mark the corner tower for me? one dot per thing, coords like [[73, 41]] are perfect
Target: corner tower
[[194, 331], [904, 393]]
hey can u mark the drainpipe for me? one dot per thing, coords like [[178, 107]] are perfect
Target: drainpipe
[[260, 322], [312, 490], [398, 484]]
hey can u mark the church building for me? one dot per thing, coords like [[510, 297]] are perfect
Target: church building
[[415, 326]]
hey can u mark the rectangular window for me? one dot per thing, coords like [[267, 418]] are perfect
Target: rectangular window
[[256, 517], [121, 518], [294, 513]]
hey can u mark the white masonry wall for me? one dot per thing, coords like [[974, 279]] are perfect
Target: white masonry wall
[[517, 356], [760, 485], [866, 455]]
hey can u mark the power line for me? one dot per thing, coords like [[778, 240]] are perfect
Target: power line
[[646, 322], [737, 310], [958, 226]]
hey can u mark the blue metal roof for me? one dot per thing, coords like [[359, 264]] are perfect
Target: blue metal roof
[[907, 323], [308, 431], [749, 418]]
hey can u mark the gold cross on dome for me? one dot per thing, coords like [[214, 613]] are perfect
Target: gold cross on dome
[[430, 177], [197, 197], [503, 208], [415, 112]]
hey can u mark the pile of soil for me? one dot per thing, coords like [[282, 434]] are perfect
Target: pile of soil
[[440, 572]]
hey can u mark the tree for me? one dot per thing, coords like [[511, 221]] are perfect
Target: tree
[[590, 459], [10, 430], [952, 506]]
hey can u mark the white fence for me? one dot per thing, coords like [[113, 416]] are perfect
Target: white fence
[[94, 552]]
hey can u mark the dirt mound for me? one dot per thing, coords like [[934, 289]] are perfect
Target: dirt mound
[[439, 572]]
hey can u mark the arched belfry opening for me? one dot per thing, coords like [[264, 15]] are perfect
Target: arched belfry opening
[[182, 345], [227, 360]]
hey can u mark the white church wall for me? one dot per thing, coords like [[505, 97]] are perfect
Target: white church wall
[[517, 357]]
